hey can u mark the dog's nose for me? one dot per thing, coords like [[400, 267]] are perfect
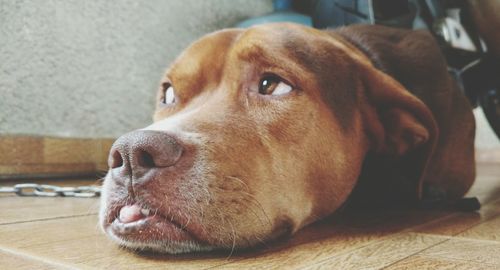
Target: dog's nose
[[140, 151]]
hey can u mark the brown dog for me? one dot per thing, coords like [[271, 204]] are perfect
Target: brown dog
[[259, 132]]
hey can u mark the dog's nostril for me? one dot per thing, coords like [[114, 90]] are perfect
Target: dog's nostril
[[116, 160], [145, 159]]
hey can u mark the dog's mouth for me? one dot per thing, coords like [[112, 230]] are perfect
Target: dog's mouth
[[138, 224]]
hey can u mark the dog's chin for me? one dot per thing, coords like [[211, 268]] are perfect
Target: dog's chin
[[161, 235], [156, 234], [160, 246]]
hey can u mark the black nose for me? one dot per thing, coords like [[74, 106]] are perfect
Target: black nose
[[140, 151]]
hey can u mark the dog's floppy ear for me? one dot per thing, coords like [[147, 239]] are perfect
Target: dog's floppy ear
[[399, 125], [397, 121]]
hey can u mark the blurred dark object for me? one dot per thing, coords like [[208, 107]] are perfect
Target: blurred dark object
[[467, 31], [485, 15]]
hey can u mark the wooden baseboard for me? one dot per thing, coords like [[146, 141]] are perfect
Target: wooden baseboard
[[31, 156]]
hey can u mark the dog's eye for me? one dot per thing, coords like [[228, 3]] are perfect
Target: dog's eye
[[169, 94], [273, 85]]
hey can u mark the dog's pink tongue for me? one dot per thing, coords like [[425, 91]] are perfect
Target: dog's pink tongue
[[130, 213]]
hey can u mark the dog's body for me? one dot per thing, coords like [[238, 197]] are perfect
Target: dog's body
[[260, 132]]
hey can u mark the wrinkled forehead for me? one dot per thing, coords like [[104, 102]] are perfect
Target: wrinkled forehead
[[287, 44], [293, 42], [269, 45]]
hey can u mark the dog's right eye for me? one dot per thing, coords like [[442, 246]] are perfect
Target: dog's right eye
[[273, 85], [168, 94]]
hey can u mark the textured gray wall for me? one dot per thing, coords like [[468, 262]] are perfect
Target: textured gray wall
[[91, 68], [485, 136]]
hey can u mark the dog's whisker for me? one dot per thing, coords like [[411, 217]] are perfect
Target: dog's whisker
[[247, 192], [252, 199], [233, 246], [239, 181]]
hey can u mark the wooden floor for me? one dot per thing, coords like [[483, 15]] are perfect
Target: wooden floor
[[62, 233]]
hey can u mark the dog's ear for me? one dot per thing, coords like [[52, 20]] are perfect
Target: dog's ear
[[397, 121], [402, 131]]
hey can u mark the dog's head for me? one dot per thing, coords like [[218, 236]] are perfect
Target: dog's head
[[256, 134]]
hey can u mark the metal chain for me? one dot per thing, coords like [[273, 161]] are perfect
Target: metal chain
[[36, 190]]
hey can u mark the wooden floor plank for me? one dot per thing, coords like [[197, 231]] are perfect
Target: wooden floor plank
[[23, 209], [382, 253], [10, 259], [30, 234], [489, 230], [460, 221], [473, 251], [430, 263]]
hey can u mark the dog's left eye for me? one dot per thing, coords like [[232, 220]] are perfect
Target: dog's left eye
[[273, 85], [169, 94]]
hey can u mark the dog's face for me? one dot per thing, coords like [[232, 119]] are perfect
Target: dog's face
[[256, 133]]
